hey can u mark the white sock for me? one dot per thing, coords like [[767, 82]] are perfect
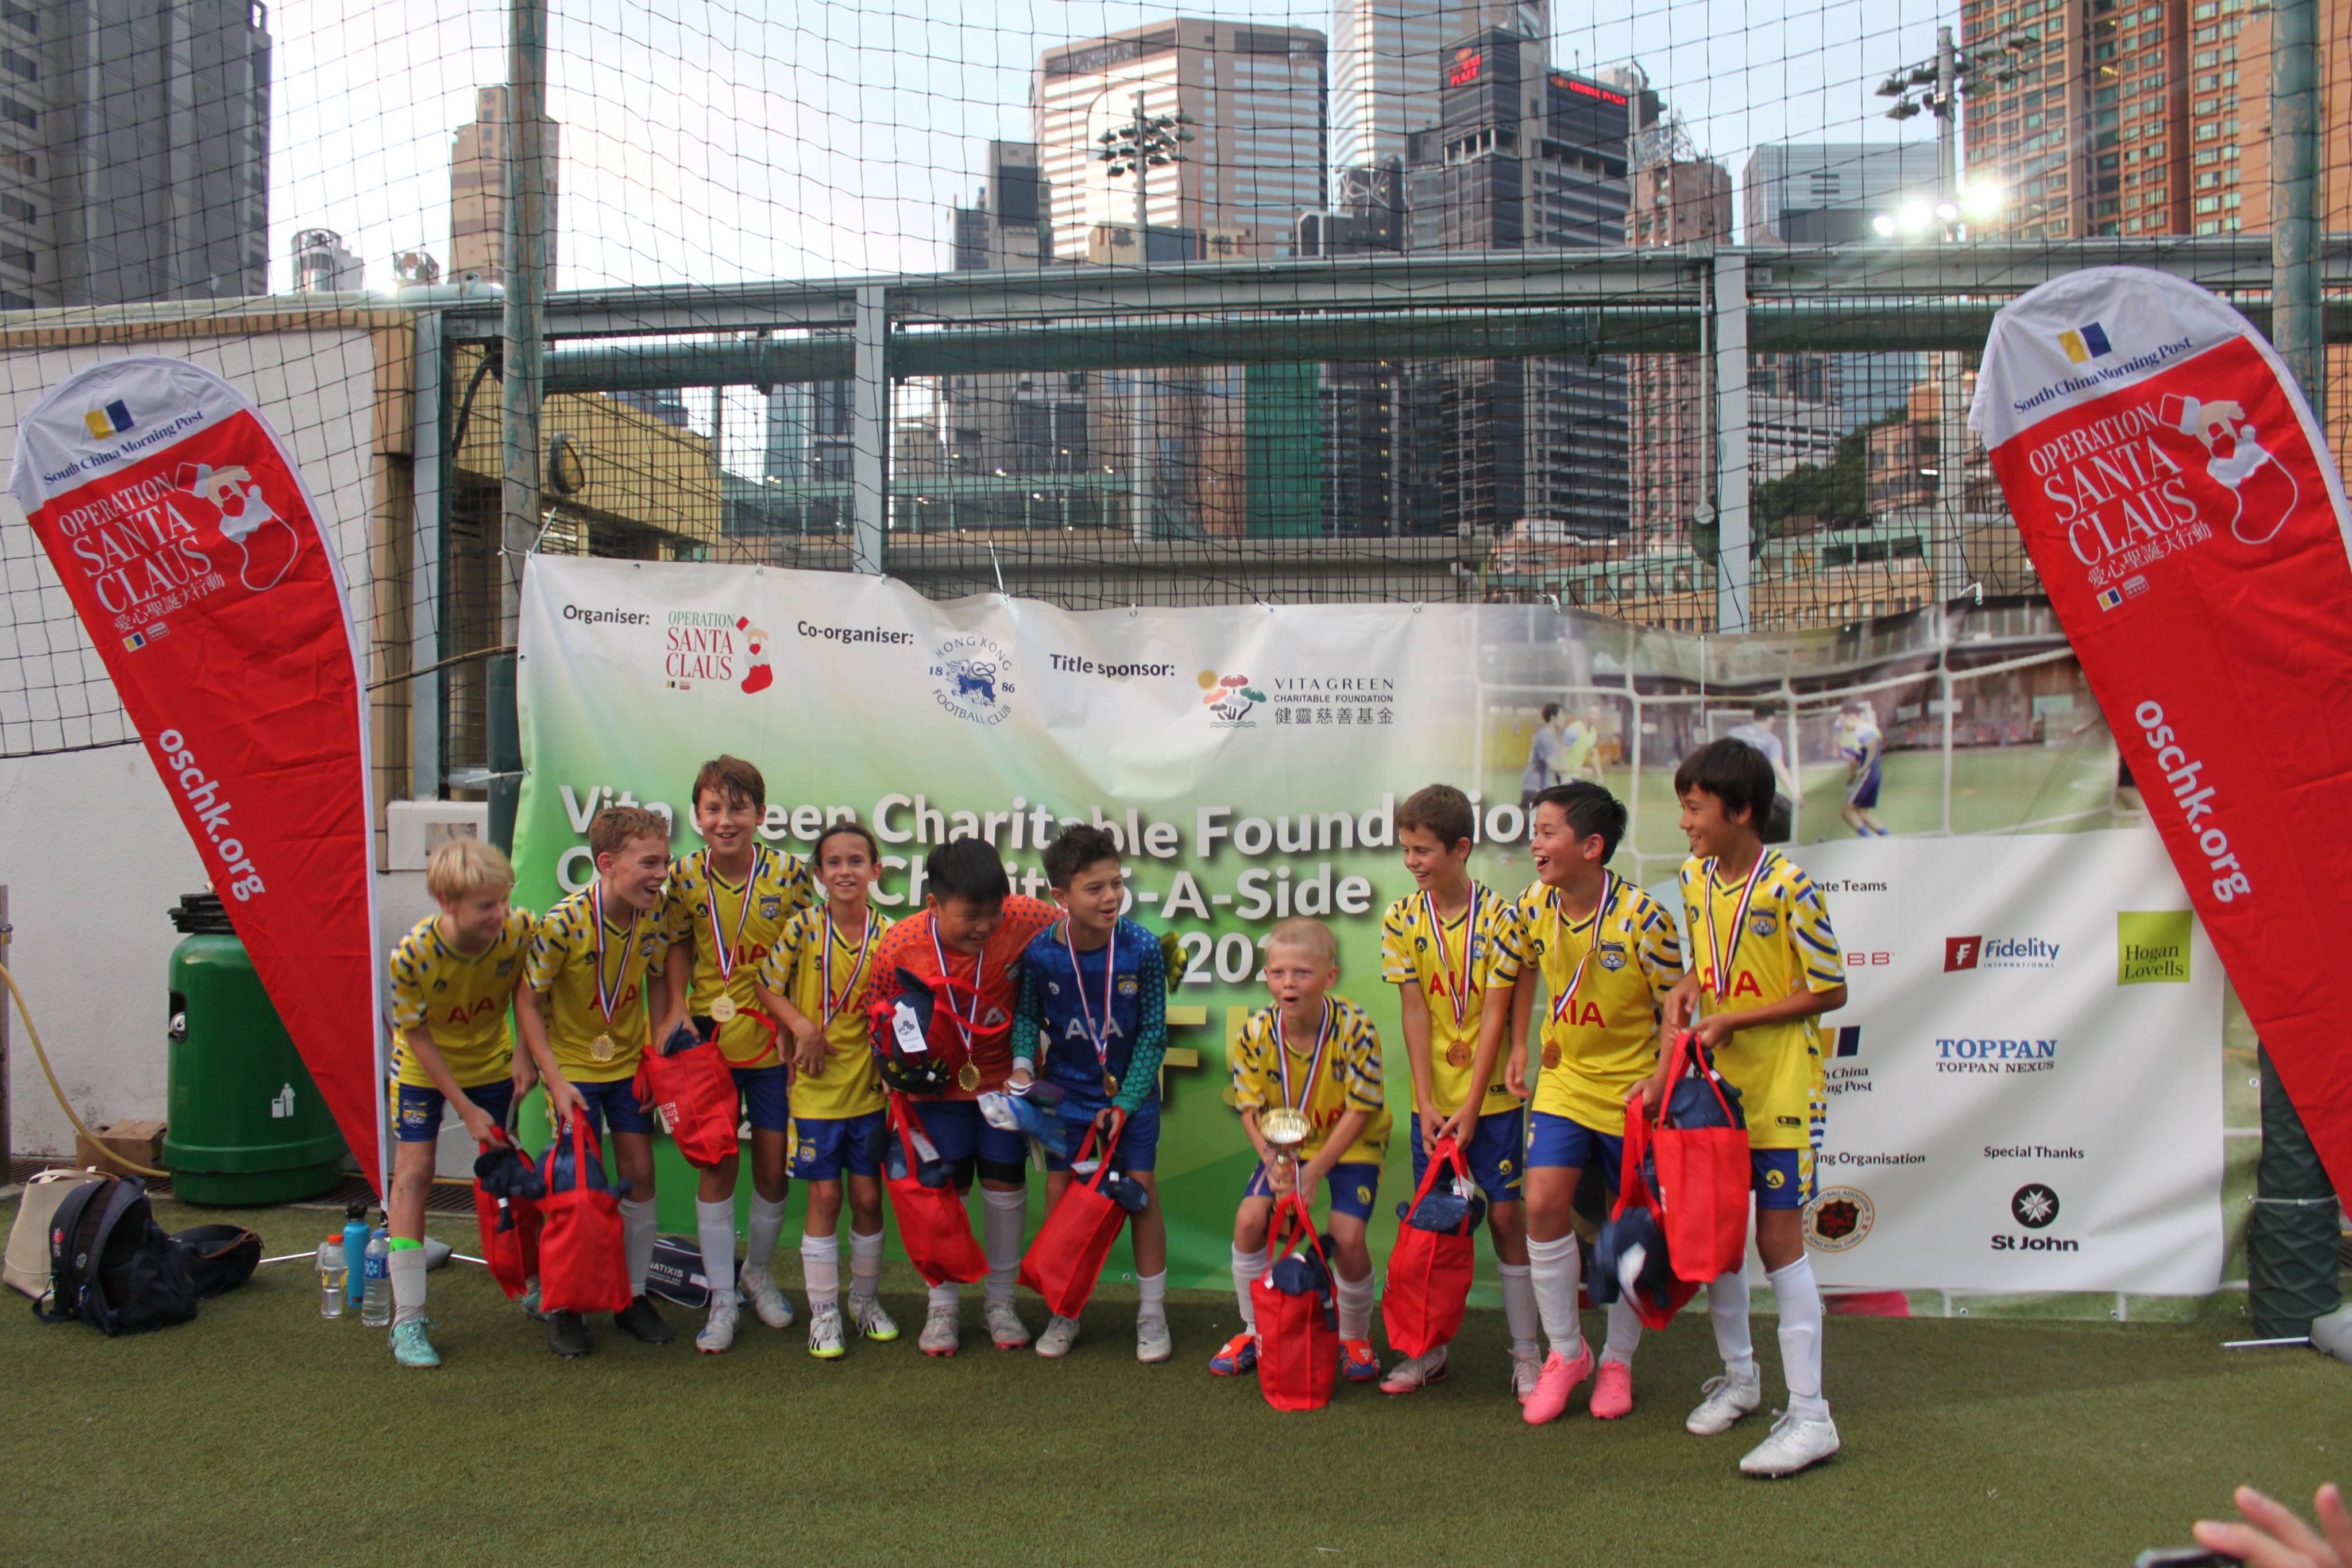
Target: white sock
[[1249, 1268], [865, 1265], [821, 1270], [1151, 1296], [715, 1224], [638, 1223], [760, 1228], [1799, 1300], [407, 1270], [946, 1296], [1355, 1298], [1519, 1306], [1624, 1332], [1726, 1308], [1003, 1225], [1553, 1268]]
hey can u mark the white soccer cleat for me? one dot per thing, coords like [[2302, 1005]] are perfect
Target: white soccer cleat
[[1526, 1366], [824, 1334], [1727, 1400], [1006, 1328], [942, 1332], [754, 1286], [1795, 1444], [1060, 1334], [872, 1322], [1415, 1371], [1153, 1343], [719, 1329]]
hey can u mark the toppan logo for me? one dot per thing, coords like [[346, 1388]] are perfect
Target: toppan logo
[[975, 678], [1229, 699], [1998, 953], [2035, 1207], [1985, 1055]]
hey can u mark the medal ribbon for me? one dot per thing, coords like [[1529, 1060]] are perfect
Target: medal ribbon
[[835, 1004], [1721, 960], [1560, 1004], [1460, 984], [964, 1026], [607, 1000], [726, 953], [1100, 1039], [1315, 1063]]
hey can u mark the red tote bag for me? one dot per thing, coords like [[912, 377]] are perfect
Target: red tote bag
[[1704, 1180], [933, 1225], [1066, 1260], [1633, 1191], [509, 1229], [694, 1094], [1297, 1338], [582, 1266], [1429, 1271]]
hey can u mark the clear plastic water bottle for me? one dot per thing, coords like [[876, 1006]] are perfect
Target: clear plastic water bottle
[[375, 1307], [331, 1270]]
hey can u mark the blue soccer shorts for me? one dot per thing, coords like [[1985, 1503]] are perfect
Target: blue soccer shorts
[[613, 1104], [964, 1139], [418, 1116], [765, 1096], [1564, 1142], [1138, 1139], [825, 1146], [1353, 1184], [1496, 1155], [1781, 1178]]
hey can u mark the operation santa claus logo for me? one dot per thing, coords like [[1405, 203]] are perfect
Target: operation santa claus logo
[[163, 541]]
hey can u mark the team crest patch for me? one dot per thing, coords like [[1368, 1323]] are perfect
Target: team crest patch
[[1127, 985], [1363, 1193], [1613, 956], [771, 909], [412, 1115], [1764, 922], [440, 985]]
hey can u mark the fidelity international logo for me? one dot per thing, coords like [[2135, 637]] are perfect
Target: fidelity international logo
[[710, 647], [975, 678], [1998, 953], [1230, 700], [1839, 1219], [2152, 947]]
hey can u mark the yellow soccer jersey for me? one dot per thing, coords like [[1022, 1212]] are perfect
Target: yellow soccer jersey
[[809, 957], [1346, 1076], [1782, 945], [1415, 947], [1602, 995], [564, 968], [719, 918], [462, 999]]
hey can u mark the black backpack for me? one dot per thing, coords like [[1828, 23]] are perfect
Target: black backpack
[[220, 1257], [110, 1264]]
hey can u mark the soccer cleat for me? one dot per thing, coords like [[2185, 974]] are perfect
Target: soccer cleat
[[410, 1347], [641, 1322], [529, 1305], [1527, 1367], [824, 1334], [1238, 1355], [1154, 1343], [942, 1332], [754, 1285], [1006, 1328], [1060, 1334], [1612, 1391], [1795, 1444], [567, 1334], [872, 1322], [1727, 1399], [1555, 1383], [719, 1329], [1358, 1363], [1415, 1371]]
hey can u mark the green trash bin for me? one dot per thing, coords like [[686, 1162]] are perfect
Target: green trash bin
[[246, 1125]]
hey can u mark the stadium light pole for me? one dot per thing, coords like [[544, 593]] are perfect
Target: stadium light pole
[[1146, 141], [522, 379]]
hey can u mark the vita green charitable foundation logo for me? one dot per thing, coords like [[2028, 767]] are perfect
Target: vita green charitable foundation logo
[[2152, 946]]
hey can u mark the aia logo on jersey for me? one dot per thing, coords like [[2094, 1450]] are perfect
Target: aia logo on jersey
[[1583, 1014], [459, 1017], [1743, 983]]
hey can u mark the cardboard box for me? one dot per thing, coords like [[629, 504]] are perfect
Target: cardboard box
[[139, 1141]]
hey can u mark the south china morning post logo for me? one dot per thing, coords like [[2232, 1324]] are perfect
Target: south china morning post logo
[[1230, 700], [2084, 343], [112, 420], [974, 676], [2152, 946]]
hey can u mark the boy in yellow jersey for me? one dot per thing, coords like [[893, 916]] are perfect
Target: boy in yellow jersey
[[722, 909], [816, 981], [1765, 966], [1438, 946], [453, 980], [583, 1012], [1609, 960], [1318, 1053]]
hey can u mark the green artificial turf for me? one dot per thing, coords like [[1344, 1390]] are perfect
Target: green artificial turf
[[262, 1435]]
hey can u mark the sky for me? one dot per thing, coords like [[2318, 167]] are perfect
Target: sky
[[704, 143]]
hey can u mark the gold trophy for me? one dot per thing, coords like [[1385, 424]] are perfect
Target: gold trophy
[[1283, 1129]]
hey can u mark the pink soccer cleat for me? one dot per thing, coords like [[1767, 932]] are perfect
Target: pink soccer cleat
[[1554, 1384], [1612, 1391]]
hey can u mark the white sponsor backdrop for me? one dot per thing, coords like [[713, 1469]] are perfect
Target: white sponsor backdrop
[[2008, 1115]]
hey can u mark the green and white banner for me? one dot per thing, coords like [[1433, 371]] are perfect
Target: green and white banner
[[1250, 758]]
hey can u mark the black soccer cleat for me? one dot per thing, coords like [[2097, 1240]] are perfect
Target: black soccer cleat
[[641, 1322], [567, 1334]]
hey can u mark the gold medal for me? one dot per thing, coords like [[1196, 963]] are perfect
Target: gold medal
[[724, 1010], [968, 1077], [1459, 1054], [1552, 1056], [602, 1048], [1110, 1084]]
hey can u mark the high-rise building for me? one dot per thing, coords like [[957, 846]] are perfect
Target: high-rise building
[[1676, 201], [478, 189], [1826, 193], [1254, 97], [134, 152], [1522, 158], [1388, 60], [323, 263], [1005, 225]]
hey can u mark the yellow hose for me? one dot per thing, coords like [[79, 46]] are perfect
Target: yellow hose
[[55, 1087]]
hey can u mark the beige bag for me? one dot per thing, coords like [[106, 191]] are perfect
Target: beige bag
[[27, 1266]]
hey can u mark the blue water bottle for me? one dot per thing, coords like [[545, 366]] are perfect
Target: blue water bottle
[[355, 1241]]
